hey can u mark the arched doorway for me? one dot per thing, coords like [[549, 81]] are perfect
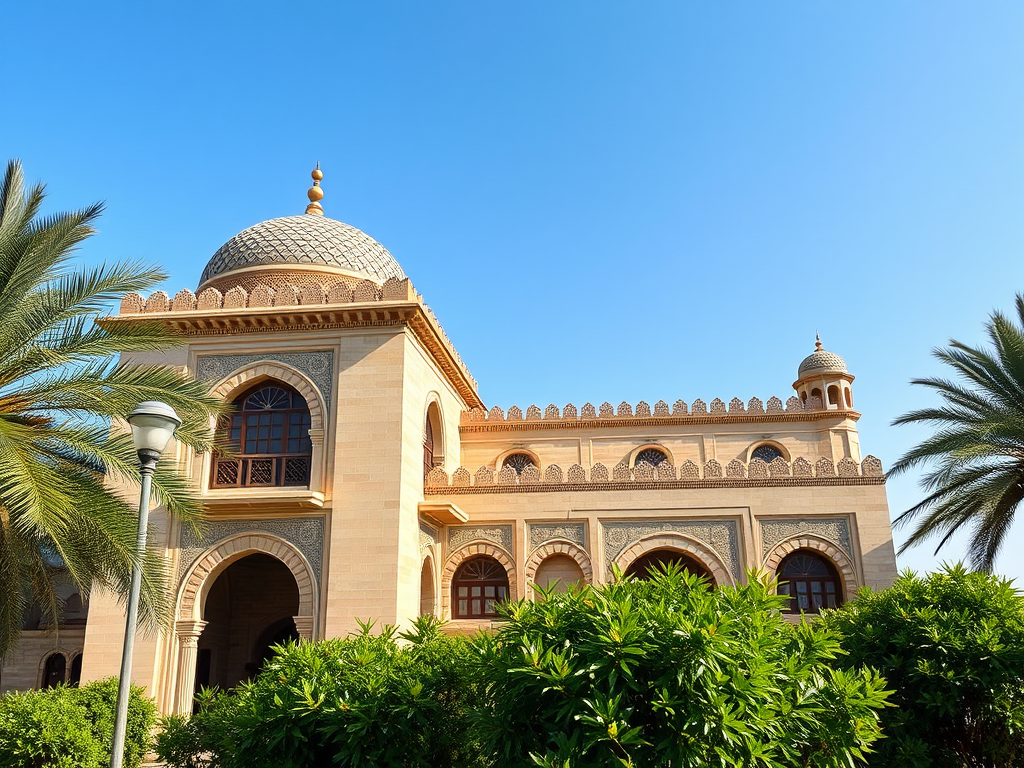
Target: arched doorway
[[249, 608], [658, 559], [427, 602], [559, 572], [55, 670]]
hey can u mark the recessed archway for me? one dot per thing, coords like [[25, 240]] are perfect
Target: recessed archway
[[650, 563], [705, 556], [250, 607], [428, 596]]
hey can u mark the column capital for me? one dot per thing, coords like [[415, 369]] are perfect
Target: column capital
[[189, 629], [304, 626]]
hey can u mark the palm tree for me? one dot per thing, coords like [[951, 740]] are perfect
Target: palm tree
[[61, 390], [977, 451]]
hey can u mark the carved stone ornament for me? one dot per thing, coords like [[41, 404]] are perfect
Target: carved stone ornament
[[720, 535], [318, 366], [428, 536], [305, 533], [541, 532], [835, 529], [460, 535]]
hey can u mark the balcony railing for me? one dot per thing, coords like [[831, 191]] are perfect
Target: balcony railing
[[260, 471]]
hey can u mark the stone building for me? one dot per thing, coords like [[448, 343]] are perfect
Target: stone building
[[370, 481]]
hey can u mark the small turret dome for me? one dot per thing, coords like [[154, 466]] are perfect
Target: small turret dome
[[821, 361]]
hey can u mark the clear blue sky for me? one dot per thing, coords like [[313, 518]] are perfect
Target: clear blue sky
[[602, 201]]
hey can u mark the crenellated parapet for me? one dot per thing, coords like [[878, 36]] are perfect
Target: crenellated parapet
[[643, 475], [304, 303], [607, 414]]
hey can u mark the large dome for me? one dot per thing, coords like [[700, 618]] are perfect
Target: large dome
[[307, 242]]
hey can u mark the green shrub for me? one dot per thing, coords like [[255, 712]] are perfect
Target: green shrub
[[365, 700], [951, 644], [71, 727], [669, 672]]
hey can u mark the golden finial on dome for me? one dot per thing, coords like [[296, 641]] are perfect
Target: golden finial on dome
[[817, 342], [315, 193]]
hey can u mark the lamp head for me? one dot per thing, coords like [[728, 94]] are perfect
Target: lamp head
[[153, 424]]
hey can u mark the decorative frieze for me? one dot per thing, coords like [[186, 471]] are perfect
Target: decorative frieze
[[305, 533], [646, 476], [542, 532], [720, 535], [834, 529], [460, 535], [317, 366]]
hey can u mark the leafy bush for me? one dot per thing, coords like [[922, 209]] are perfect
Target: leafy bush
[[669, 672], [71, 727], [365, 700], [951, 644]]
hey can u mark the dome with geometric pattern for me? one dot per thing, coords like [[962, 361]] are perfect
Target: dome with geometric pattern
[[821, 361], [307, 242]]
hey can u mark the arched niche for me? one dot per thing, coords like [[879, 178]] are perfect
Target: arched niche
[[558, 549]]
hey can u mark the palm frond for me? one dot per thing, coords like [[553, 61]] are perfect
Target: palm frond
[[977, 451]]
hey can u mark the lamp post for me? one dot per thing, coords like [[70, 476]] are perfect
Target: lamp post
[[153, 423]]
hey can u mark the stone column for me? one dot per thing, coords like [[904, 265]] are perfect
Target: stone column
[[304, 626], [187, 631]]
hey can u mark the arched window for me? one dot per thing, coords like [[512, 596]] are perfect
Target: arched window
[[833, 395], [75, 676], [55, 670], [816, 393], [269, 437], [766, 453], [811, 582], [428, 448], [75, 612], [433, 439], [478, 586], [643, 567], [518, 462], [653, 456]]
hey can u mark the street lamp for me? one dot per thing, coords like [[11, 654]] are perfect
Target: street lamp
[[153, 424]]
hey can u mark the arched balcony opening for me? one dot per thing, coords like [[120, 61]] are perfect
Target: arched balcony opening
[[267, 440]]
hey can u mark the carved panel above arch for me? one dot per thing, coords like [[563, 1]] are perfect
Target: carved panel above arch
[[460, 535], [721, 535], [835, 529], [318, 366], [428, 536], [541, 532], [305, 533]]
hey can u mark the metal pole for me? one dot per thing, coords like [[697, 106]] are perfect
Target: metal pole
[[147, 460]]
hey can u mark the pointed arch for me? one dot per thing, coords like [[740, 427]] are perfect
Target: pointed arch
[[467, 552], [253, 374], [558, 547], [827, 549], [244, 378], [201, 575], [680, 543]]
